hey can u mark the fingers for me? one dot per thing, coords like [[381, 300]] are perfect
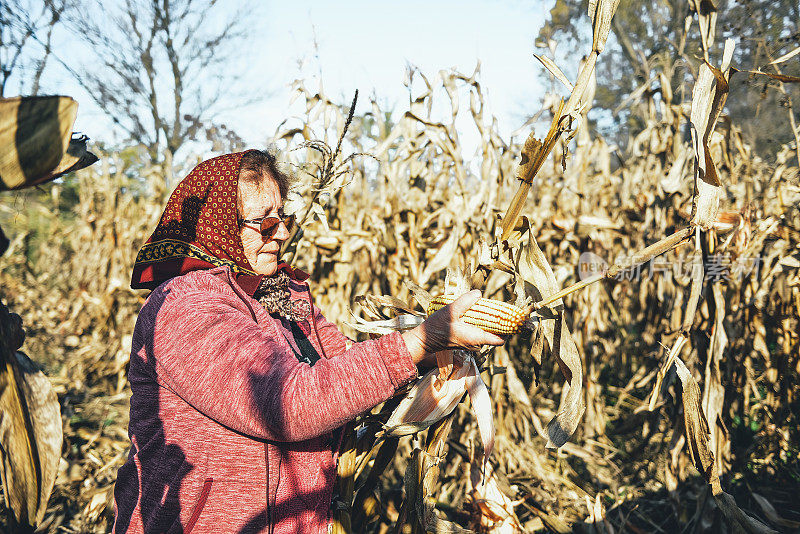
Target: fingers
[[445, 328], [460, 306], [492, 339], [472, 337]]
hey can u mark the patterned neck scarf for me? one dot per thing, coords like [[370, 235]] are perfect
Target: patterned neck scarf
[[273, 293], [198, 230]]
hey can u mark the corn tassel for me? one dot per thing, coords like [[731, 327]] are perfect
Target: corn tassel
[[493, 316]]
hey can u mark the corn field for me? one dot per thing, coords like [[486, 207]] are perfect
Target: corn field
[[696, 337]]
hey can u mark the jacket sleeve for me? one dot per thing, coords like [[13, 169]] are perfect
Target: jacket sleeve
[[331, 338], [212, 353]]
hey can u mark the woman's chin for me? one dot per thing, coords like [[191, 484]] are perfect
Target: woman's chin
[[267, 264]]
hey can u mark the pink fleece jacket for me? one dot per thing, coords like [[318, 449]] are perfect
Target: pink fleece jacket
[[229, 431]]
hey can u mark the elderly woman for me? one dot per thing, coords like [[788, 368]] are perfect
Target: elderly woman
[[238, 382]]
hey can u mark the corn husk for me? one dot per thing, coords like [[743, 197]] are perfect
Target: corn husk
[[437, 394]]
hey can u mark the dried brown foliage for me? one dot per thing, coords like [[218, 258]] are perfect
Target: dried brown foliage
[[663, 431]]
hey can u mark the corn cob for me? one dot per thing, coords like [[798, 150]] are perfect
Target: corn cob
[[493, 316]]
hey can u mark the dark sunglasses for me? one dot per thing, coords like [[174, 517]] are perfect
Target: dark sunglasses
[[268, 226]]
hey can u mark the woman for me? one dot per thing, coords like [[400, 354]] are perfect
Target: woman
[[238, 382]]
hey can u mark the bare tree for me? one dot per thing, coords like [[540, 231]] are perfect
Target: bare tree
[[159, 68], [26, 36]]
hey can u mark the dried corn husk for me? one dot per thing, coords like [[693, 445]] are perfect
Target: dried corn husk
[[495, 508], [30, 437], [437, 394]]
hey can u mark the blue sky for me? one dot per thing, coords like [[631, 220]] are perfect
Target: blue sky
[[366, 46]]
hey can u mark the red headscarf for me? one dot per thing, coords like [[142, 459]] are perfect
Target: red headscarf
[[199, 230]]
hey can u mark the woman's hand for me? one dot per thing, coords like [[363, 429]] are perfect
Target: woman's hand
[[445, 330]]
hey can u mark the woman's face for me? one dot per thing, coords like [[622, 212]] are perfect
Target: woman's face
[[256, 200]]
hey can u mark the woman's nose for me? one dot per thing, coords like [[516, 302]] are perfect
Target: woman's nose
[[282, 234]]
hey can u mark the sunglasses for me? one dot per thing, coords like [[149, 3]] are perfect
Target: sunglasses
[[268, 226]]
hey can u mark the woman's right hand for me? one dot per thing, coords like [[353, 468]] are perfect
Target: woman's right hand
[[446, 330]]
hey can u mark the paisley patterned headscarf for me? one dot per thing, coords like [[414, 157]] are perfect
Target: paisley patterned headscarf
[[199, 230]]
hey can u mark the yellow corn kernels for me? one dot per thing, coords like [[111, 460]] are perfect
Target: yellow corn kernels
[[493, 316]]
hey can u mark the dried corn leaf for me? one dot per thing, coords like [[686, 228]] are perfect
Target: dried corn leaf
[[419, 484], [550, 65], [537, 350], [697, 440], [456, 283], [601, 12], [635, 95], [770, 511], [674, 352], [437, 394], [674, 179], [785, 78], [540, 283], [707, 18], [563, 347], [3, 242], [713, 389], [30, 437], [705, 203], [785, 57], [362, 509], [696, 289], [346, 473], [375, 302], [535, 271], [739, 521], [695, 422], [708, 98], [597, 516], [516, 388], [386, 326], [494, 507], [481, 407], [530, 151], [77, 157], [421, 295]]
